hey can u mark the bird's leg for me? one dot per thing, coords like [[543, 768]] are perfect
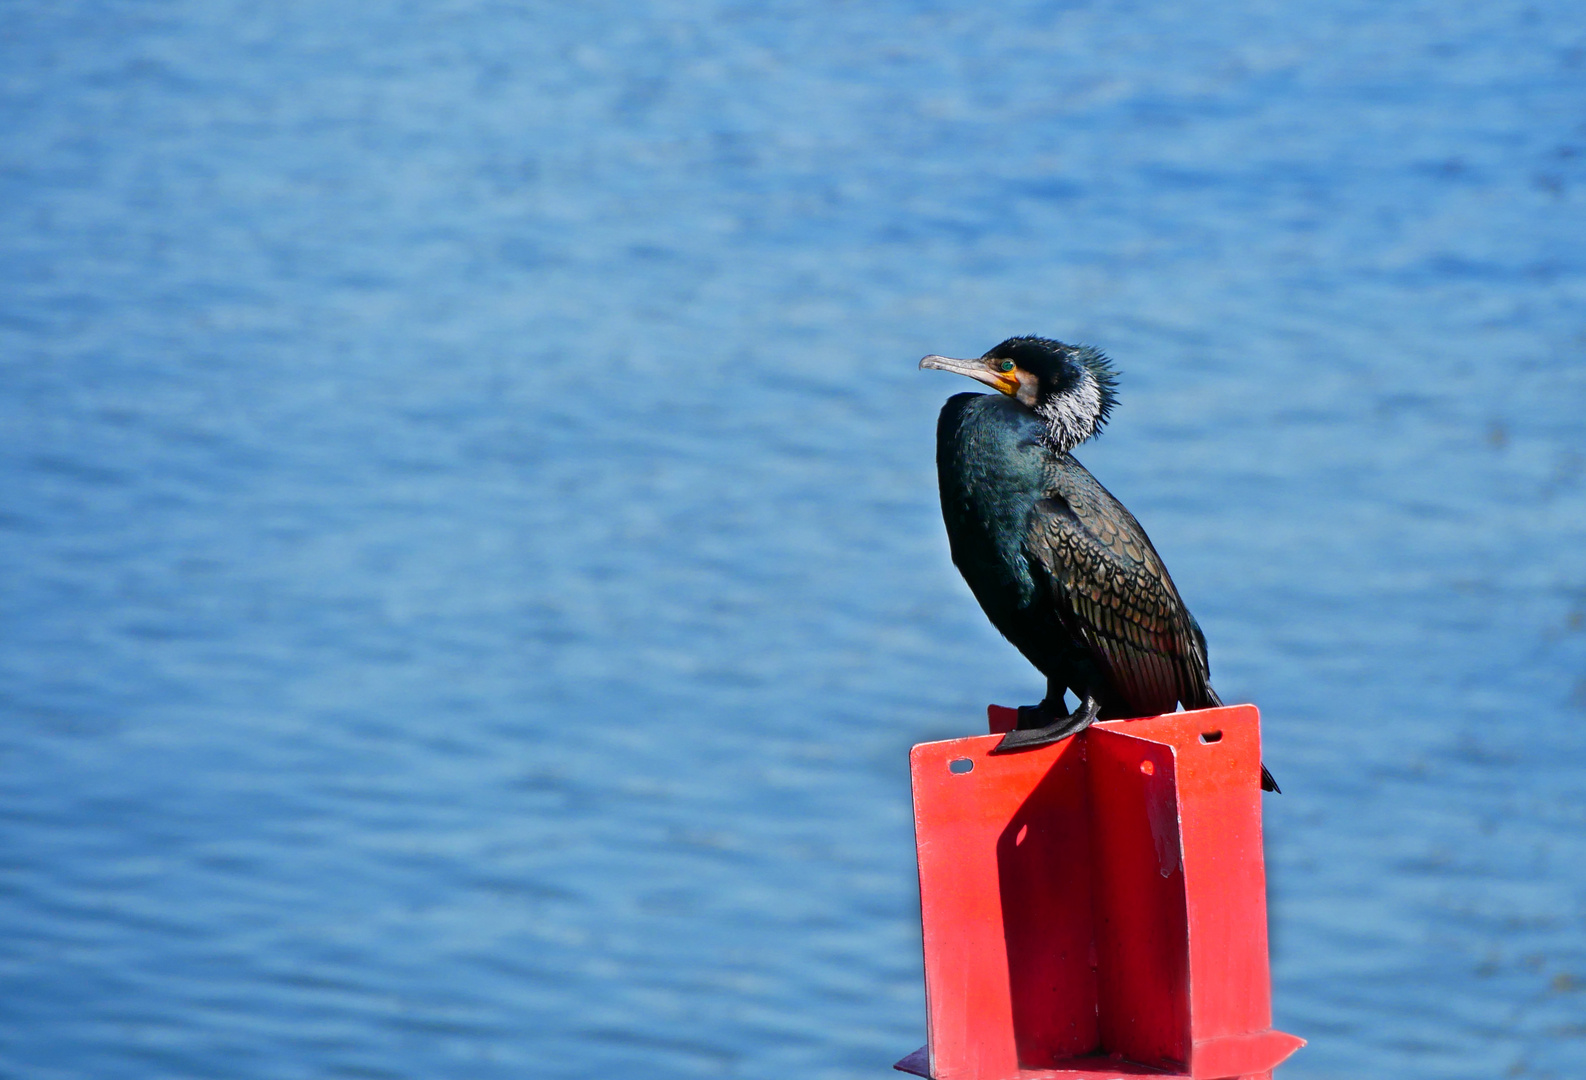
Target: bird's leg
[[1044, 714], [1031, 731]]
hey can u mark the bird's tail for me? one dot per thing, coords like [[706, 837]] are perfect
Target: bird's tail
[[1267, 782]]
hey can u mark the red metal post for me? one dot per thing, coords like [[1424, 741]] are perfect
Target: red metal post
[[1096, 909]]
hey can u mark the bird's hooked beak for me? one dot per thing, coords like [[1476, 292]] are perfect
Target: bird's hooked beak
[[980, 369]]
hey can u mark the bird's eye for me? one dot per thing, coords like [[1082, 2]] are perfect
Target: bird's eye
[[1007, 365]]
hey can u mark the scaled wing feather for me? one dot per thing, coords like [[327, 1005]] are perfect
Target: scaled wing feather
[[1114, 593]]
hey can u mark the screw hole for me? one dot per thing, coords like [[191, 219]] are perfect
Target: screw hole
[[1211, 736], [960, 765]]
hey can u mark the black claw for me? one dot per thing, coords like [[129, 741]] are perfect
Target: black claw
[[1269, 784]]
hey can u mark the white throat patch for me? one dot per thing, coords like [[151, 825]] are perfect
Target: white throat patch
[[1071, 416]]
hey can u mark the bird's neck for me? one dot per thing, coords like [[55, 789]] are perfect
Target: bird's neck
[[1069, 418]]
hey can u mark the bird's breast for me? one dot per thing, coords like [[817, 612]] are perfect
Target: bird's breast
[[990, 465]]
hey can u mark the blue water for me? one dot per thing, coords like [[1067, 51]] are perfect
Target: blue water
[[471, 569]]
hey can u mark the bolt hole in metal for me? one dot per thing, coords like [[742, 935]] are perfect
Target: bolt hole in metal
[[961, 765], [1211, 736]]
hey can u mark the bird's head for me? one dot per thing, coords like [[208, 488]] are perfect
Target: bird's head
[[1070, 387]]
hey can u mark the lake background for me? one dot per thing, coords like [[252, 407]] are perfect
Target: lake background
[[471, 563]]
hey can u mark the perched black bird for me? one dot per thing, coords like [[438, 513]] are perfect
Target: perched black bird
[[1060, 567]]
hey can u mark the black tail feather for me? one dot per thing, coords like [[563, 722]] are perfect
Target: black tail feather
[[1269, 784]]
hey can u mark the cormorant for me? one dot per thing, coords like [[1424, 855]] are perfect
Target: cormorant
[[1060, 567]]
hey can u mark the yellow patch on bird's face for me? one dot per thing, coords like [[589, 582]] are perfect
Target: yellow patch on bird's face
[[1007, 382], [1005, 376]]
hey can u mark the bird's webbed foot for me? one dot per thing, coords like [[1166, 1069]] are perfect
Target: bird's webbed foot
[[1038, 727]]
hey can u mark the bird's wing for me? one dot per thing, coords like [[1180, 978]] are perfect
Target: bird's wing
[[1112, 591]]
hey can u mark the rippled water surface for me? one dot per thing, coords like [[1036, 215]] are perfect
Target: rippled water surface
[[467, 517]]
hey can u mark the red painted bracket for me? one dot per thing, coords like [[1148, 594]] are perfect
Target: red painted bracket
[[1096, 909]]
